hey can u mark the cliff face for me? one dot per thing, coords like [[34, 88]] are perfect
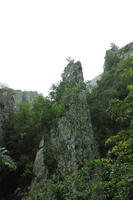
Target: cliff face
[[9, 99], [114, 55], [71, 139], [6, 105], [24, 96]]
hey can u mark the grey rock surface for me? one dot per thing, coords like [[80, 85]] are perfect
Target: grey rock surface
[[25, 96], [71, 139], [39, 168], [93, 83], [114, 55], [6, 105], [9, 100]]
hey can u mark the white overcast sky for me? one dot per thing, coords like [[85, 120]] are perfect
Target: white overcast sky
[[36, 36]]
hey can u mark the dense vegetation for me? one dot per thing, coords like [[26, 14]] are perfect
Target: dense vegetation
[[113, 85], [108, 178], [24, 130], [111, 105]]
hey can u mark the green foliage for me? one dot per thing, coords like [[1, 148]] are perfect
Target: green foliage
[[62, 96], [24, 130], [122, 110], [120, 153], [7, 167], [57, 91], [42, 115], [6, 160], [115, 104], [68, 186], [120, 157], [111, 177], [107, 178], [101, 179], [6, 89], [69, 92], [57, 109], [113, 85], [112, 59]]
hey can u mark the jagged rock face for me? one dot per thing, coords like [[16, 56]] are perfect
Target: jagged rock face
[[71, 139], [72, 75], [74, 141], [126, 51]]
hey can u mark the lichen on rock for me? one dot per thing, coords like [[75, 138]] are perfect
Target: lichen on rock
[[71, 140]]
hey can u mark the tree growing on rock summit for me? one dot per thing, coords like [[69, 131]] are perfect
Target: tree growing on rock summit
[[70, 59]]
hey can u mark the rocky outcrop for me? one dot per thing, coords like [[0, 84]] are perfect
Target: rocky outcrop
[[25, 96], [93, 83], [114, 55], [6, 105], [9, 100], [39, 169], [70, 140]]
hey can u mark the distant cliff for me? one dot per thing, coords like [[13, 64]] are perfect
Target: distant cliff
[[112, 57], [9, 100]]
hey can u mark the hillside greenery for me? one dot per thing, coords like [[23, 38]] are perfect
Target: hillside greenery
[[113, 85], [113, 172], [24, 130], [108, 178]]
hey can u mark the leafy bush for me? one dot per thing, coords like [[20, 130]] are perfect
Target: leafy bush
[[6, 160]]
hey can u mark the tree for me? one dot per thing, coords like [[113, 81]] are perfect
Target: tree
[[70, 59], [113, 85]]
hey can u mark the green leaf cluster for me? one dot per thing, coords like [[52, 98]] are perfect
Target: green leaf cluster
[[111, 88], [23, 132], [6, 160]]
